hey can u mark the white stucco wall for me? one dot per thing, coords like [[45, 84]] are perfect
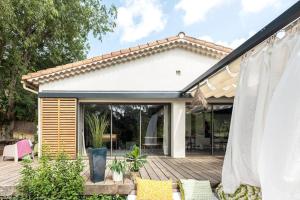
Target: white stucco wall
[[152, 73], [178, 129]]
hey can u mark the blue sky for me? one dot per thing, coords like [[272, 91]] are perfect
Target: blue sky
[[226, 22]]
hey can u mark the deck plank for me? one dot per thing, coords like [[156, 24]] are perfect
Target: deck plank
[[171, 169], [151, 172], [158, 168], [164, 170]]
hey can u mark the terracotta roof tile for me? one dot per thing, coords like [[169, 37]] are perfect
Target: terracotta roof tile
[[162, 41], [180, 37], [115, 53], [151, 44], [125, 51], [172, 38], [143, 46], [94, 59], [105, 56], [134, 48]]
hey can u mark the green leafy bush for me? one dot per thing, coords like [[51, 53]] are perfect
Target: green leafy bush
[[51, 179], [106, 197], [136, 159]]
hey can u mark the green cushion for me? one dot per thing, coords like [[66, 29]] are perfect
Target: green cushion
[[191, 189], [244, 192]]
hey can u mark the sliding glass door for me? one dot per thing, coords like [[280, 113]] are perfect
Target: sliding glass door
[[221, 125], [155, 133], [125, 128], [144, 125], [100, 110], [207, 128]]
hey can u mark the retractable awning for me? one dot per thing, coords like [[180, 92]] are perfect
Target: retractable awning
[[220, 79], [221, 84]]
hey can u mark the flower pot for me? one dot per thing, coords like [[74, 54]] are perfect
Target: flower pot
[[134, 176], [97, 161], [117, 176]]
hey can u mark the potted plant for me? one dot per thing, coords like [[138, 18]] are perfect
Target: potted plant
[[136, 160], [97, 155], [118, 167]]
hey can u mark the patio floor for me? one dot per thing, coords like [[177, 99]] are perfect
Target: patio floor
[[158, 168]]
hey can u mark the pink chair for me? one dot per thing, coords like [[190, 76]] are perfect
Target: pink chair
[[18, 150]]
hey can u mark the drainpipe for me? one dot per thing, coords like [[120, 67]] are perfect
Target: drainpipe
[[28, 89], [38, 129]]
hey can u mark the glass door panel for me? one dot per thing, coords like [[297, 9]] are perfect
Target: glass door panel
[[101, 110], [221, 125], [125, 128], [198, 130], [155, 134]]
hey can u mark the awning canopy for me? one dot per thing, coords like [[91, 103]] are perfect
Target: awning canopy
[[220, 79], [221, 84]]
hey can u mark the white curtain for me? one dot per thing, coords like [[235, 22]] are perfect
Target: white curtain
[[81, 139], [279, 165], [252, 142], [151, 134]]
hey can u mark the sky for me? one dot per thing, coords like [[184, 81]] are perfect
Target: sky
[[225, 22]]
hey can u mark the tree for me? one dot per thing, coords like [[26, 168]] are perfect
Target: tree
[[37, 34]]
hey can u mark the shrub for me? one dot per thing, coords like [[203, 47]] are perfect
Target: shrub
[[106, 197], [51, 179]]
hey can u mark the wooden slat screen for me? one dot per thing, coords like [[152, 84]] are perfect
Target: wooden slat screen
[[58, 125]]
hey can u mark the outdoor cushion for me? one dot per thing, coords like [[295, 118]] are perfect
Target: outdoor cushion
[[191, 189], [154, 190], [244, 192], [176, 196]]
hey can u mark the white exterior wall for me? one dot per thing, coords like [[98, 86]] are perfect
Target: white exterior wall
[[153, 73], [156, 72], [178, 129]]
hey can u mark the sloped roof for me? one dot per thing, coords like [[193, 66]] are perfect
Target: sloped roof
[[179, 41]]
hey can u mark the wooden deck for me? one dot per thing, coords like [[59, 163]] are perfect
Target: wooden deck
[[157, 168]]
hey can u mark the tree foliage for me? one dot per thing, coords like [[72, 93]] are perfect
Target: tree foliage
[[37, 34]]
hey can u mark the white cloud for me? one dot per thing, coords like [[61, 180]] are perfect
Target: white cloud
[[255, 6], [196, 10], [139, 18], [232, 44]]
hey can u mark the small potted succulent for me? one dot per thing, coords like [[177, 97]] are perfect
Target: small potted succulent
[[118, 167], [97, 155], [136, 161]]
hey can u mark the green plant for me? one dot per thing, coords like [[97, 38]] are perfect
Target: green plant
[[106, 197], [118, 166], [51, 179], [97, 126], [136, 159]]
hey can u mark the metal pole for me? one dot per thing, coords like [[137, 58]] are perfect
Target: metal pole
[[141, 127], [111, 129], [212, 129]]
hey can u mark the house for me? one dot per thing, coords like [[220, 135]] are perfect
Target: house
[[170, 116], [140, 91]]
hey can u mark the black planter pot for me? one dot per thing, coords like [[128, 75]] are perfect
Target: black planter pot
[[97, 161]]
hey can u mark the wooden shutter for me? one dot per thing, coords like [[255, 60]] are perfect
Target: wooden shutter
[[58, 125]]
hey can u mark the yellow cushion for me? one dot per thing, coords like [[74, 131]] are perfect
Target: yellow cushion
[[154, 190]]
